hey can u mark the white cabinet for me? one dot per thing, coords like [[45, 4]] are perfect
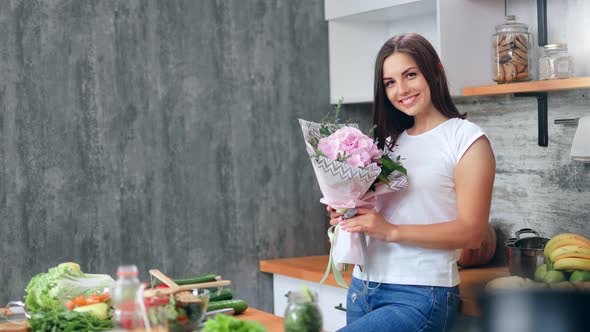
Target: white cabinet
[[333, 304], [460, 30], [331, 300]]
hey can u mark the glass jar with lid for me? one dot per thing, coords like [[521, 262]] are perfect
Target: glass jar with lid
[[555, 62], [512, 47], [302, 313]]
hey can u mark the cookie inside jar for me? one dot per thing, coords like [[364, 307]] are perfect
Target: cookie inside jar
[[511, 52]]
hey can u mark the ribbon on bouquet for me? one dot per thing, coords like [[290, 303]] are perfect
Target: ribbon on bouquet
[[337, 275], [331, 266]]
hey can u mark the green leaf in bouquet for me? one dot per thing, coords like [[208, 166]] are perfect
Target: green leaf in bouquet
[[371, 131], [314, 142], [333, 119], [342, 157], [325, 132], [318, 152], [383, 179], [388, 166]]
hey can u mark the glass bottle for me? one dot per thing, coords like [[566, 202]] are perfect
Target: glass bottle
[[302, 313], [512, 48], [555, 62], [127, 311]]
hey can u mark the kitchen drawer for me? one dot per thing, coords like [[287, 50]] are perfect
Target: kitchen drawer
[[333, 303]]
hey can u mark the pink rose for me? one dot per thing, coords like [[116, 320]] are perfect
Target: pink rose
[[350, 144]]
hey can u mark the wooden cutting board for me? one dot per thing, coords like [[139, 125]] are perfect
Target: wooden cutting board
[[13, 326]]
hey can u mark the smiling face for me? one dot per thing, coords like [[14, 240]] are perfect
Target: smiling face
[[405, 85]]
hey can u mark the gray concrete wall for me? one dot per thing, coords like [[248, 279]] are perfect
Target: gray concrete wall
[[159, 133], [536, 187]]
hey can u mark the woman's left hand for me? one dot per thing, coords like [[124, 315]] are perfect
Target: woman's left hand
[[369, 221]]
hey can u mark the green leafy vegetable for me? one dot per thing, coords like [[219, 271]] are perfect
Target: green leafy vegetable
[[225, 323], [47, 291], [67, 321]]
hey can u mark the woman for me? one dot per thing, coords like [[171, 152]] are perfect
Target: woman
[[414, 233]]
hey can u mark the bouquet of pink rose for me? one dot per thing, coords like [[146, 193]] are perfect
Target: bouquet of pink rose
[[351, 171]]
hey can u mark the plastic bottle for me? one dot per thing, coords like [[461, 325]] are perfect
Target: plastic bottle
[[127, 311]]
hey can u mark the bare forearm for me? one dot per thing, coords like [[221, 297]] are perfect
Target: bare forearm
[[446, 235]]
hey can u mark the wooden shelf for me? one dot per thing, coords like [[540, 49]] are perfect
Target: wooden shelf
[[525, 87], [311, 268]]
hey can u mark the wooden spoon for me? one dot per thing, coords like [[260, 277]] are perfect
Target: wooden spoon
[[164, 291], [163, 278], [180, 295]]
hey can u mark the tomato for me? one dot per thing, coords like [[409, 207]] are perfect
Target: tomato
[[156, 301], [92, 300], [79, 301], [104, 297], [69, 305]]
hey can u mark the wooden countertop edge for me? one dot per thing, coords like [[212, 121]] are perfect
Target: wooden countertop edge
[[271, 322], [311, 268]]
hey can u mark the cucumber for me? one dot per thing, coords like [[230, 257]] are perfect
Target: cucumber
[[194, 280], [224, 294], [239, 306]]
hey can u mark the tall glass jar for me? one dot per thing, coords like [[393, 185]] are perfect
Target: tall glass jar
[[555, 62], [512, 48], [302, 313]]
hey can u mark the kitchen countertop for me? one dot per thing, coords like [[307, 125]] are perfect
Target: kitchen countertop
[[271, 322], [312, 268]]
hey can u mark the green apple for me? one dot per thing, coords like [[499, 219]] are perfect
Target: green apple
[[540, 272], [554, 276], [580, 276]]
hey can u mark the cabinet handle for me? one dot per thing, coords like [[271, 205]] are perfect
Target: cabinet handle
[[340, 307]]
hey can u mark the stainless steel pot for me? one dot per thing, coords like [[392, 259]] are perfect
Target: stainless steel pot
[[525, 254]]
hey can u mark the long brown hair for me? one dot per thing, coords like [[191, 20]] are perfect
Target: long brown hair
[[391, 122]]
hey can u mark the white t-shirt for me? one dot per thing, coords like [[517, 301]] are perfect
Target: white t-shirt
[[430, 198]]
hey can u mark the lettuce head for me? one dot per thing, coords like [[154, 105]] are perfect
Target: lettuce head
[[47, 291]]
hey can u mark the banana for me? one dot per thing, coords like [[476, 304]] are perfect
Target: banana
[[569, 251], [564, 239], [572, 264]]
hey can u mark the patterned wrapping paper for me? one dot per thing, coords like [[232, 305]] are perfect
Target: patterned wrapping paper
[[345, 187]]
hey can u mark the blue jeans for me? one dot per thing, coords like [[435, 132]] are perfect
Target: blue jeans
[[391, 307]]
